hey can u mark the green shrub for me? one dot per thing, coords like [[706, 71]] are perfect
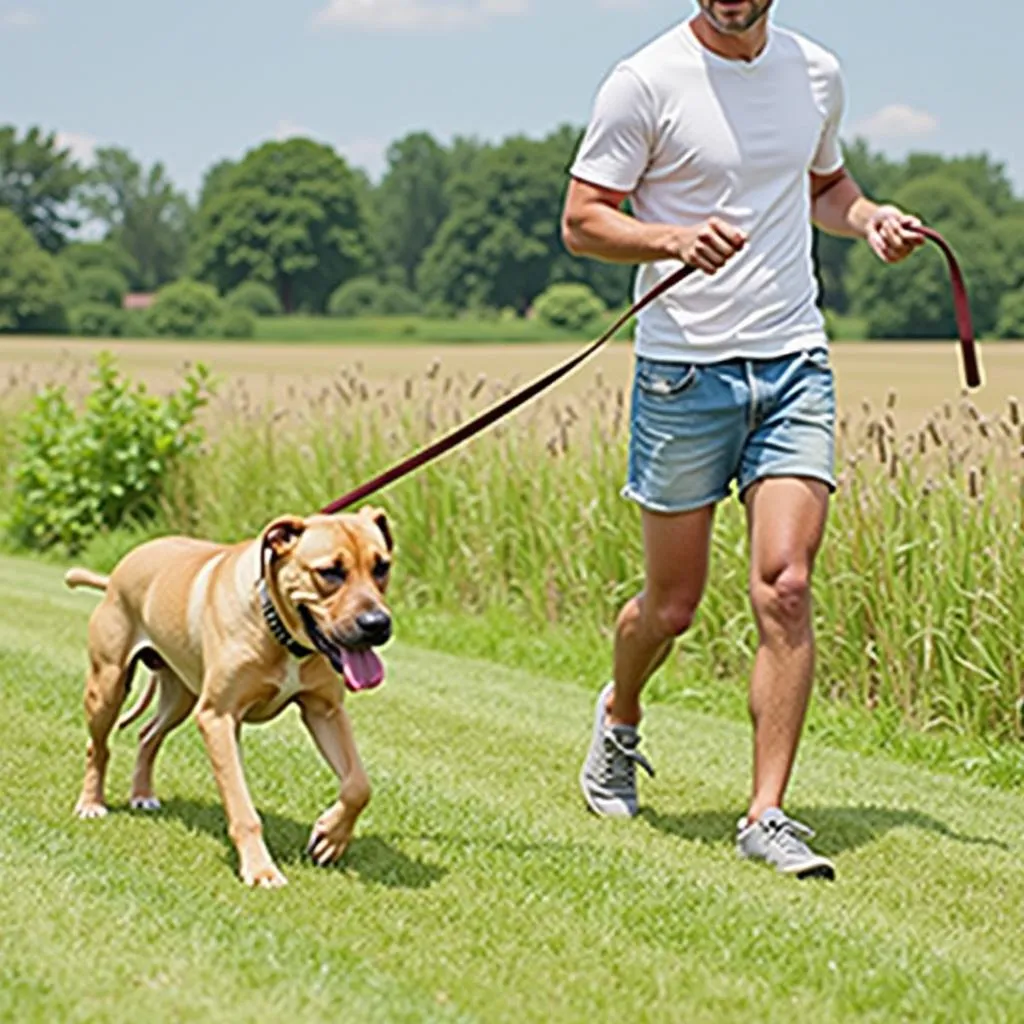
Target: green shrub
[[135, 324], [255, 297], [358, 297], [569, 307], [97, 320], [186, 309], [366, 296], [77, 474], [78, 257], [235, 324], [1011, 316], [98, 285], [32, 285]]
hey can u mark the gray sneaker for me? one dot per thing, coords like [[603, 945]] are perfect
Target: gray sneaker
[[608, 778], [779, 841]]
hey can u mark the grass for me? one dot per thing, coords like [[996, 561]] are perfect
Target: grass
[[477, 888]]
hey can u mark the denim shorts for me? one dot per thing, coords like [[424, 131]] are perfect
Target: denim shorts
[[695, 429]]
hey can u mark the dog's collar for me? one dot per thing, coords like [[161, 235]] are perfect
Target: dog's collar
[[278, 630]]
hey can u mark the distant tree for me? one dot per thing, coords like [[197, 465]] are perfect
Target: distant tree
[[1011, 316], [411, 202], [500, 245], [80, 256], [31, 284], [142, 213], [38, 180], [290, 214]]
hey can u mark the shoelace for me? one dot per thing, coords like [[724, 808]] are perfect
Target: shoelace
[[620, 762], [790, 835]]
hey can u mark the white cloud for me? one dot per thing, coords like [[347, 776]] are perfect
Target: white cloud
[[20, 17], [83, 147], [896, 121], [426, 15]]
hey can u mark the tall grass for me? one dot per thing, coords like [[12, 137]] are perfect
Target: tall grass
[[920, 584]]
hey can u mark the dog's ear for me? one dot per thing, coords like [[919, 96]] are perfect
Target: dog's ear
[[283, 534], [379, 519]]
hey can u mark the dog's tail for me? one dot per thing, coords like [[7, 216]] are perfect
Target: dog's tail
[[85, 578], [140, 705]]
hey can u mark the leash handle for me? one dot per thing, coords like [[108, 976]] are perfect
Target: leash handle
[[962, 306], [490, 416]]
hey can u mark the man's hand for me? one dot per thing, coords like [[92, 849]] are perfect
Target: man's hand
[[708, 246], [891, 236]]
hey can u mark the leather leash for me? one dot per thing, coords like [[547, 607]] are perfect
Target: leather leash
[[508, 405]]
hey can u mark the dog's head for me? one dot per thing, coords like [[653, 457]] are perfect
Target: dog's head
[[329, 575]]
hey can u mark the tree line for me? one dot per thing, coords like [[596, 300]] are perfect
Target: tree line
[[466, 228]]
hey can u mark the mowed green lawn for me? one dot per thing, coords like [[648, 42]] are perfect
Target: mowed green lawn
[[478, 889]]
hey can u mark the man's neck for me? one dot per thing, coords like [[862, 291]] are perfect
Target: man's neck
[[746, 46]]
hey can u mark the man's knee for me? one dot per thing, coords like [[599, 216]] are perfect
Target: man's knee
[[783, 596], [673, 616]]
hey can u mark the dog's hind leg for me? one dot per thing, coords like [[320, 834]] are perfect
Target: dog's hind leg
[[176, 704], [106, 686], [105, 690]]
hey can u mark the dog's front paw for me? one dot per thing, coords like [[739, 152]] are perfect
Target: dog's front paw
[[90, 809], [265, 876], [326, 844]]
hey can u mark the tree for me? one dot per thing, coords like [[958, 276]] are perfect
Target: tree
[[290, 214], [31, 283], [411, 202], [38, 180], [912, 299], [82, 256], [143, 214], [500, 245]]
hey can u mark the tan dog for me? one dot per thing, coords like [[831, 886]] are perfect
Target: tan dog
[[238, 633]]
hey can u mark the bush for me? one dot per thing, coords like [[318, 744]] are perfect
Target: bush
[[78, 257], [135, 324], [98, 285], [186, 309], [97, 320], [255, 297], [366, 296], [32, 285], [76, 475], [569, 307], [236, 324], [1011, 316], [358, 297]]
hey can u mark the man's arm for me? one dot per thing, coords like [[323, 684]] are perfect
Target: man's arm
[[839, 207], [594, 225]]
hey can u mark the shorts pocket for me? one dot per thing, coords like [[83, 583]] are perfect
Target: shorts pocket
[[665, 380], [819, 359]]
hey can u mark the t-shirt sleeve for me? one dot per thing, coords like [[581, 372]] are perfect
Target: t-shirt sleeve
[[829, 156], [620, 138]]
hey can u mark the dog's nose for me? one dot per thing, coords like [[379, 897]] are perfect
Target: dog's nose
[[375, 626]]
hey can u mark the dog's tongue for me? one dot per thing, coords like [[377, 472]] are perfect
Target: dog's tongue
[[363, 670]]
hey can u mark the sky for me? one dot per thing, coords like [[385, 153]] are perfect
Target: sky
[[195, 81]]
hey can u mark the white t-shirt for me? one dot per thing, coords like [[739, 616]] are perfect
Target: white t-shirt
[[691, 135]]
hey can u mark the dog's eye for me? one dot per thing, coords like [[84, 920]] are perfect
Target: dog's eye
[[381, 569], [332, 575]]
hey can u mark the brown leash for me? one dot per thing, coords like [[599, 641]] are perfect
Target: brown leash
[[508, 405]]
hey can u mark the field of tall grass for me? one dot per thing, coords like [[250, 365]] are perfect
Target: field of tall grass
[[920, 588]]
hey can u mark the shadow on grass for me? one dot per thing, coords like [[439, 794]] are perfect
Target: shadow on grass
[[371, 859], [840, 829]]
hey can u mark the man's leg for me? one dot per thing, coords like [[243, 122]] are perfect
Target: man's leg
[[786, 520], [676, 551], [676, 555]]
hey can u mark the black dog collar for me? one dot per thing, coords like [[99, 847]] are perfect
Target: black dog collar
[[277, 628]]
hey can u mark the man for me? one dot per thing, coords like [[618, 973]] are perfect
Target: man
[[724, 134]]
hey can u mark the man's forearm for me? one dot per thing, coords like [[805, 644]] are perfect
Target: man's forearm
[[843, 209], [609, 234]]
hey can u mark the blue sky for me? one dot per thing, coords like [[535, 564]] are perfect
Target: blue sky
[[192, 82]]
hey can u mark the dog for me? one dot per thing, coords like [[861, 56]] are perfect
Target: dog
[[237, 633]]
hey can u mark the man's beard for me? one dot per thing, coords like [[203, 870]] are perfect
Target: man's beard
[[733, 26]]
